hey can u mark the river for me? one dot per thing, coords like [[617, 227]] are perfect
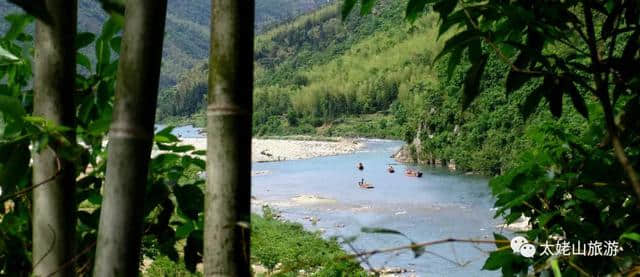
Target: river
[[437, 206]]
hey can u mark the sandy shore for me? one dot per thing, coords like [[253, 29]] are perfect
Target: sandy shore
[[268, 150]]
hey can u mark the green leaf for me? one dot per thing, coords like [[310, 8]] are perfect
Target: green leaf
[[457, 18], [5, 55], [83, 60], [115, 44], [546, 217], [100, 126], [472, 81], [347, 7], [631, 236], [18, 22], [193, 250], [90, 219], [498, 237], [376, 230], [16, 167], [156, 194], [415, 8], [586, 195], [37, 8], [459, 40], [190, 200], [199, 152], [103, 54], [497, 259], [366, 6], [454, 61], [533, 99], [95, 197], [109, 29], [165, 136], [84, 39], [445, 7], [555, 267], [475, 50], [576, 98], [554, 97], [184, 230], [515, 79], [113, 6], [11, 107]]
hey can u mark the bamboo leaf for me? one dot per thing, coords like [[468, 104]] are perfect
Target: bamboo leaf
[[375, 230]]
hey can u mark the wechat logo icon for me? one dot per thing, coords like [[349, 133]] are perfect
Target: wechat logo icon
[[522, 246]]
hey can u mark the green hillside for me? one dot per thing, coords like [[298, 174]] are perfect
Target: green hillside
[[373, 76], [187, 28]]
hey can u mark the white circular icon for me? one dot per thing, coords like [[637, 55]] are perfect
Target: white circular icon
[[517, 242], [527, 250], [522, 246]]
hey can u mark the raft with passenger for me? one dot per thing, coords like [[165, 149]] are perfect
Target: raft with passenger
[[413, 173], [364, 185]]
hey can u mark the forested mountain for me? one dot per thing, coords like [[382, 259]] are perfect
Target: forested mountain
[[187, 32], [373, 76]]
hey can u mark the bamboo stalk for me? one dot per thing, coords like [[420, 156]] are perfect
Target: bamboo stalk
[[54, 75], [228, 189], [130, 139]]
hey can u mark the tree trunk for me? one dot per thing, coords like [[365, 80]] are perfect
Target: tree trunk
[[228, 191], [130, 139], [53, 203]]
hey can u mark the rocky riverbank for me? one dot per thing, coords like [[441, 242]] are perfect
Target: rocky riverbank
[[269, 150]]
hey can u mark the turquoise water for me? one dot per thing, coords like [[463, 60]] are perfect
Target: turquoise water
[[439, 205]]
